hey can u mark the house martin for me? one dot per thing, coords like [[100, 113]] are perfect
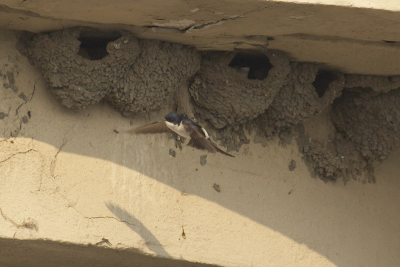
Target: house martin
[[184, 127]]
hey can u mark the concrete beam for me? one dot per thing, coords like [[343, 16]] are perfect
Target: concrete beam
[[361, 37]]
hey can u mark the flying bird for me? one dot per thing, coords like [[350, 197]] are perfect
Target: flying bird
[[184, 127]]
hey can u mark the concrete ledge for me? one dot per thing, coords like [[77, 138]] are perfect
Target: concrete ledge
[[361, 37]]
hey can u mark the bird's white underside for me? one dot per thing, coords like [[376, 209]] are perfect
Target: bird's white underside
[[181, 129], [178, 129]]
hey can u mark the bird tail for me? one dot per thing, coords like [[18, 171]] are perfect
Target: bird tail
[[221, 151]]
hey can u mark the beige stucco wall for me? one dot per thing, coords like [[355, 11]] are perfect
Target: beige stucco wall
[[67, 176]]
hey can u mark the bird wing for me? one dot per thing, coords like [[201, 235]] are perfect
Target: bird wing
[[195, 145], [155, 127], [199, 141]]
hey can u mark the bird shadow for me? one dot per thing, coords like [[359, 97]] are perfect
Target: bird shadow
[[137, 226]]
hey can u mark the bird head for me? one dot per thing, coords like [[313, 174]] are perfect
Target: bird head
[[173, 117]]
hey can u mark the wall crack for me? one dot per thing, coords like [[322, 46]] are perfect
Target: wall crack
[[18, 153], [29, 224], [21, 121], [27, 100], [109, 217], [211, 23], [64, 142], [220, 21]]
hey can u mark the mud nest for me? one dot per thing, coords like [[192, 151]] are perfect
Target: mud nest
[[154, 77], [367, 127], [305, 94], [370, 120], [336, 158], [381, 84], [232, 88], [83, 66]]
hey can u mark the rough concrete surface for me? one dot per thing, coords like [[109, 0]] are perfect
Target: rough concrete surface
[[72, 176]]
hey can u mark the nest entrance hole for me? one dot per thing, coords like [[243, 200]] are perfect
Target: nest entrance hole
[[94, 44], [256, 64], [322, 81]]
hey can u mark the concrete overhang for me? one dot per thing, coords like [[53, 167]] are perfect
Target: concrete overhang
[[353, 37]]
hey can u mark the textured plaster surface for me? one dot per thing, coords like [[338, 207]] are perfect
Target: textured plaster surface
[[73, 176]]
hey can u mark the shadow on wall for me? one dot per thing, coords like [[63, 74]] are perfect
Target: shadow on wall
[[151, 241]]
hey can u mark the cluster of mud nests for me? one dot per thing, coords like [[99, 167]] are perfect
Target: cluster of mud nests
[[84, 66], [262, 92]]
